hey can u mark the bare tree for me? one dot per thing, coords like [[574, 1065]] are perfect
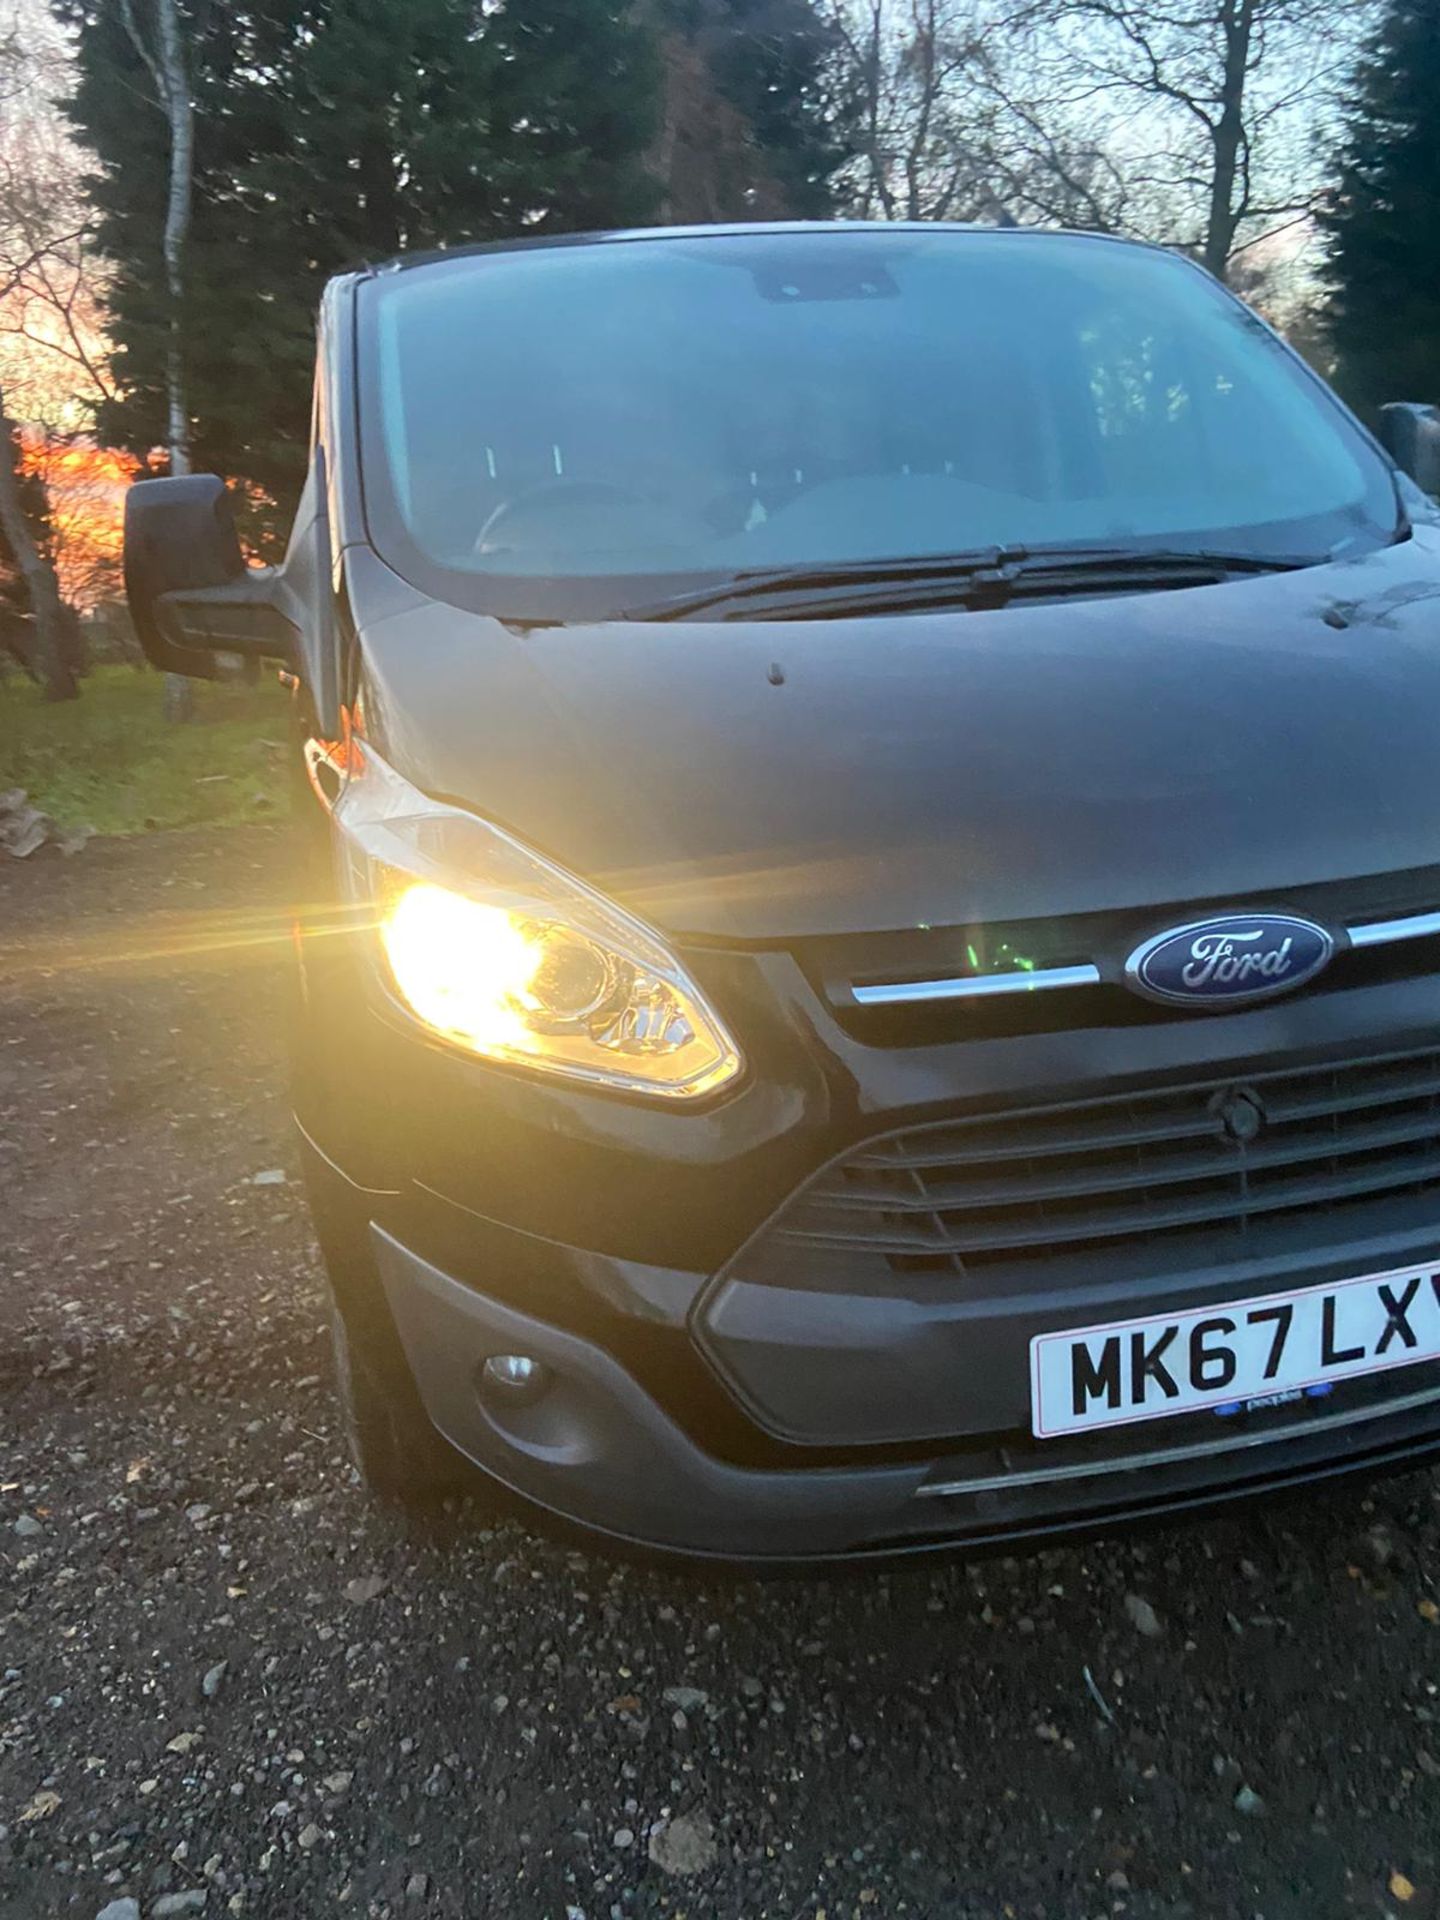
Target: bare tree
[[909, 63], [1192, 122], [53, 656], [52, 347], [1040, 167], [52, 363], [51, 310], [28, 229], [949, 126], [1210, 105]]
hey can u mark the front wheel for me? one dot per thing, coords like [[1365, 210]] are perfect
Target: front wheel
[[395, 1449]]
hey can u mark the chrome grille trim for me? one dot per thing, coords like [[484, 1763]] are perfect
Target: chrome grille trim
[[981, 986], [1165, 1456], [976, 986], [1378, 933]]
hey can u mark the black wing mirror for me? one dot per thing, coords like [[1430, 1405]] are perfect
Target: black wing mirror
[[191, 594], [1410, 434]]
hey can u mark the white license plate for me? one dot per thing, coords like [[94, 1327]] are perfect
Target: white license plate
[[1232, 1354]]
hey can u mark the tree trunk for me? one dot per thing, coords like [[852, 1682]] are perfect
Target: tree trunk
[[876, 187], [166, 63], [179, 111], [1227, 138], [663, 159], [925, 53], [53, 659]]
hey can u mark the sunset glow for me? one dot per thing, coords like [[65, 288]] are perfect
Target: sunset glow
[[86, 489]]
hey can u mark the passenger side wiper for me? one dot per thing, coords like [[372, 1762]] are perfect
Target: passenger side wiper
[[987, 577]]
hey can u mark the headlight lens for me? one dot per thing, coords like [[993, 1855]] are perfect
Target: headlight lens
[[513, 959]]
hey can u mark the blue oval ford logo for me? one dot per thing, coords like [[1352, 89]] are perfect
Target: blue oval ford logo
[[1230, 961]]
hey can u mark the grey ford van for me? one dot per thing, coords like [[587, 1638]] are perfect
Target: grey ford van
[[868, 967]]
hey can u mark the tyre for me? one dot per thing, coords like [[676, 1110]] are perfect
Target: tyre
[[391, 1440], [399, 1455]]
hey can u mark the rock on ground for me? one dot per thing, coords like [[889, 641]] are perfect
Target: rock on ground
[[683, 1845]]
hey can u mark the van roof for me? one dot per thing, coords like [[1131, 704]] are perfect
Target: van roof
[[401, 262]]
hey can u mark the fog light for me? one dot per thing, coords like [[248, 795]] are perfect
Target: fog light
[[515, 1375]]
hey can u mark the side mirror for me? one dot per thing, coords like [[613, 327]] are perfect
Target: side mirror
[[191, 594], [1410, 434]]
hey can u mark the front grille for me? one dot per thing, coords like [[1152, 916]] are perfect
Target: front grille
[[1052, 1181]]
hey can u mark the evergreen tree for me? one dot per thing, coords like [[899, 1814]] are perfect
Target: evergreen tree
[[328, 133], [755, 128], [118, 118], [1383, 222]]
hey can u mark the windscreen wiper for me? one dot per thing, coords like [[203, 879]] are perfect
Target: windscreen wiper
[[759, 582], [983, 578]]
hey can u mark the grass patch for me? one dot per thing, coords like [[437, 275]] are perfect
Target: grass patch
[[111, 761]]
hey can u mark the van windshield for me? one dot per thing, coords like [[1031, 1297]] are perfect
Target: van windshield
[[574, 426]]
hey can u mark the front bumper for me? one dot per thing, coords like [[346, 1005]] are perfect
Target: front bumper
[[696, 1411], [599, 1450]]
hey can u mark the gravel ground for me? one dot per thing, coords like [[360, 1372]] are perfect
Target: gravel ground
[[232, 1685]]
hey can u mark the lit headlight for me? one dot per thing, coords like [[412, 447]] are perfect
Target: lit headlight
[[509, 957]]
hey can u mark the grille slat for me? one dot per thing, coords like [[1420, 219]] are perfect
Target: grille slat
[[1051, 1181], [1058, 1228], [1051, 1130], [1389, 1091], [949, 1196], [1035, 1146]]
